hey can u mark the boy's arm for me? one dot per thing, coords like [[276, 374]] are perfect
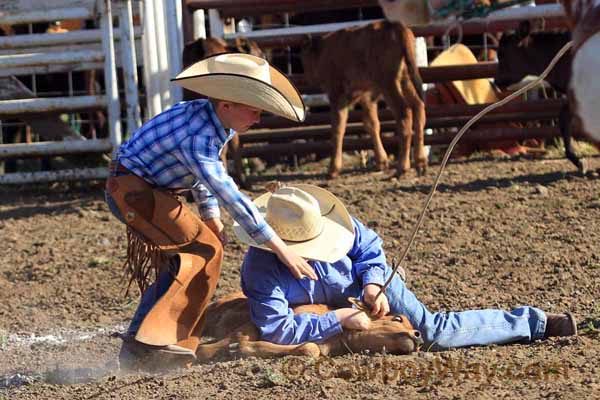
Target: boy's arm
[[208, 206], [212, 176], [265, 286], [368, 258]]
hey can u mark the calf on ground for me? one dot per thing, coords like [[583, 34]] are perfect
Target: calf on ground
[[228, 322], [524, 53], [359, 65]]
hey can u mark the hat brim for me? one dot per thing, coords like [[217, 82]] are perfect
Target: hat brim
[[333, 243], [280, 97]]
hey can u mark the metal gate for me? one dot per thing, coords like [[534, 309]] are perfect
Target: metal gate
[[42, 53]]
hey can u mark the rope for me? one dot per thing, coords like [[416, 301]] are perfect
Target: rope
[[472, 121]]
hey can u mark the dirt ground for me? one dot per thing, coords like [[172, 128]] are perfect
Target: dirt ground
[[500, 233]]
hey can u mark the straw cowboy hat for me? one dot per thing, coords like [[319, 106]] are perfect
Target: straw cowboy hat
[[310, 220], [246, 79]]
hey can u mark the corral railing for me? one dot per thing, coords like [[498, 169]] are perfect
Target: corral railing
[[91, 49], [267, 139]]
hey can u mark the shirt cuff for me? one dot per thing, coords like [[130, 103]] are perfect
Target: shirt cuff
[[209, 212], [373, 275], [263, 234], [329, 325]]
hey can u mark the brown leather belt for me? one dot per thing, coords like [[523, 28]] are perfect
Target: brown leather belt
[[116, 167]]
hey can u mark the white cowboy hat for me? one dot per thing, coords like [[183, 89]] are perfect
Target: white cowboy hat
[[310, 220], [246, 79]]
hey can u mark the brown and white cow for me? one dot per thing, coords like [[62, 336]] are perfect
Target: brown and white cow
[[358, 65], [584, 86], [228, 322]]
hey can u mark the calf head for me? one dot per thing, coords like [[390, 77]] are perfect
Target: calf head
[[310, 55], [392, 333], [243, 45]]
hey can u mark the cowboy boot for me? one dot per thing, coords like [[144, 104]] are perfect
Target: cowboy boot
[[136, 356], [560, 325]]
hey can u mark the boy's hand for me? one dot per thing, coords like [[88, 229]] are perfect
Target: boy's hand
[[298, 266], [218, 229], [379, 307], [353, 319]]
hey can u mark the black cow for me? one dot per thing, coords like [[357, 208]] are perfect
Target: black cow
[[524, 53]]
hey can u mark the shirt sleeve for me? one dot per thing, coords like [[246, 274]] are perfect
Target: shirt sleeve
[[212, 176], [368, 258], [270, 311], [208, 206]]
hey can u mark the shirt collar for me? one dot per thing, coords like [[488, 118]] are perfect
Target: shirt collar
[[222, 134]]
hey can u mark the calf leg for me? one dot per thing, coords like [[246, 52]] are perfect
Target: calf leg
[[207, 351], [339, 118], [564, 122], [418, 110], [268, 349], [393, 96], [373, 128]]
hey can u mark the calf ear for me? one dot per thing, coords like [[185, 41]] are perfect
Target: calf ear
[[523, 33], [312, 44], [524, 29]]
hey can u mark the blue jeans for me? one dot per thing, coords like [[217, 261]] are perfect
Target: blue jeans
[[112, 206], [149, 299], [444, 330]]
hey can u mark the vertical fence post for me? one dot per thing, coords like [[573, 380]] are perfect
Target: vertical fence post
[[175, 46], [199, 24], [163, 57], [422, 61], [129, 64], [217, 29], [110, 75], [150, 60]]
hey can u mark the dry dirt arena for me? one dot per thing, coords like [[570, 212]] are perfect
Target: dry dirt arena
[[500, 233]]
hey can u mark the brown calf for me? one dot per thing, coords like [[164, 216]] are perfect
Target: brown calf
[[228, 321], [358, 65]]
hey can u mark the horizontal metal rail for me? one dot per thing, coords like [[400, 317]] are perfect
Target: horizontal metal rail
[[55, 39], [18, 178], [24, 150], [471, 136], [445, 73], [323, 132], [241, 8], [46, 16], [11, 108], [432, 111], [49, 69], [26, 60]]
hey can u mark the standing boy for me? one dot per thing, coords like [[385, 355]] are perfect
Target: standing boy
[[179, 150]]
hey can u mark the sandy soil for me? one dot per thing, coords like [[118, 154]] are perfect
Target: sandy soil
[[499, 234]]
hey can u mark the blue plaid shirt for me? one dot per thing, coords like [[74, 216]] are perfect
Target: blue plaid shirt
[[179, 149]]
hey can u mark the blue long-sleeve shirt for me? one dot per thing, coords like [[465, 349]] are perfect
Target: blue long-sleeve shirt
[[179, 149], [272, 290]]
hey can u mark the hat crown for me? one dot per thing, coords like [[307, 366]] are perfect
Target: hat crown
[[241, 64], [294, 215]]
